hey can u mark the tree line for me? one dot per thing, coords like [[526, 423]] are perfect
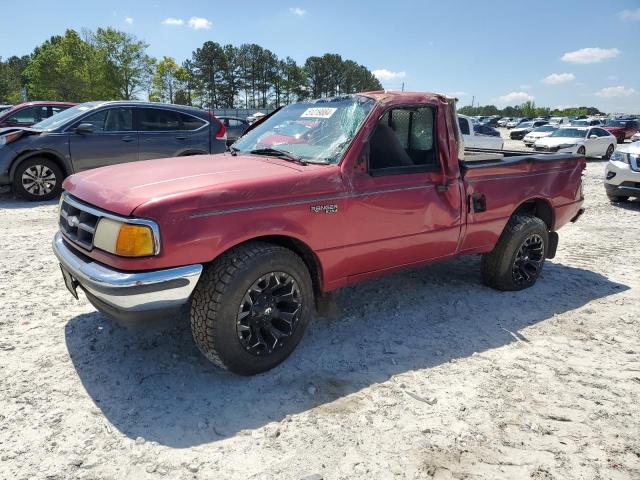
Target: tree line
[[527, 109], [108, 64]]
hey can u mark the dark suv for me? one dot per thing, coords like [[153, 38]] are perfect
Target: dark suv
[[34, 161]]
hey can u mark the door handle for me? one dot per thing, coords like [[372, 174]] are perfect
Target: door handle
[[181, 137], [128, 139]]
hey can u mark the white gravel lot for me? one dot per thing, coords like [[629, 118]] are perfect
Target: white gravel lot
[[424, 374]]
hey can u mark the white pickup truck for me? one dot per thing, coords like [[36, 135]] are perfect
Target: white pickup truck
[[472, 139]]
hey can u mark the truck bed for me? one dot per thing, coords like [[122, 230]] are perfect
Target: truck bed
[[483, 158]]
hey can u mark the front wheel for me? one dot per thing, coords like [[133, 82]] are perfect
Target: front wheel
[[582, 151], [517, 259], [610, 150], [38, 179], [251, 307]]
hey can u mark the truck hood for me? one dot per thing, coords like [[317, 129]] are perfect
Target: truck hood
[[123, 188]]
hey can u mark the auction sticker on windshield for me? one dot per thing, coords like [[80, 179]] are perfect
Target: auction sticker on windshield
[[316, 112]]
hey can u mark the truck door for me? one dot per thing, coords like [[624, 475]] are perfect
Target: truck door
[[401, 213]]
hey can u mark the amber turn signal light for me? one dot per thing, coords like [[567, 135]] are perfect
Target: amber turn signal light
[[134, 241]]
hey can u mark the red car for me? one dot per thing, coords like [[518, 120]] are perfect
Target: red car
[[27, 114], [256, 239], [622, 129]]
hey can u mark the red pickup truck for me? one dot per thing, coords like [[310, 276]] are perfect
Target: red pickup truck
[[255, 239]]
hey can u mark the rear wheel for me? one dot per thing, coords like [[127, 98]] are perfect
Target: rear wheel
[[610, 150], [38, 178], [517, 259], [251, 307]]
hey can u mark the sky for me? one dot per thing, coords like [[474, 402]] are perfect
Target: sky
[[556, 53]]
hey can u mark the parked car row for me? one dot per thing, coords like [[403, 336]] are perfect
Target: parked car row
[[34, 161]]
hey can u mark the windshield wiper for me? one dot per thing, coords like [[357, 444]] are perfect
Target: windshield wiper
[[275, 152]]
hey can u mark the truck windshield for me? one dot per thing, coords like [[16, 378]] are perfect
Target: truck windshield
[[317, 131], [570, 132], [63, 117]]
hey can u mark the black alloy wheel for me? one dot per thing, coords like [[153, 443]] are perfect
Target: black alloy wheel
[[528, 260], [268, 313]]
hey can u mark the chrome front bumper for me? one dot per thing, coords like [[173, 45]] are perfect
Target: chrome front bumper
[[126, 293]]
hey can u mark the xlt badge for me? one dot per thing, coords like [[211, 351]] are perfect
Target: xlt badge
[[332, 208]]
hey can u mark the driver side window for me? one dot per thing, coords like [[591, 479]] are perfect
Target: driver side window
[[111, 120], [403, 142]]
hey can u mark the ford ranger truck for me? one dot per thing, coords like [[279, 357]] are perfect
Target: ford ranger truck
[[315, 196]]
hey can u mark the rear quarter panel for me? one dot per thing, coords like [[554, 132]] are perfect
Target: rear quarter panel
[[507, 187]]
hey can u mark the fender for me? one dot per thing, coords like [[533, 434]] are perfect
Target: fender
[[67, 166]]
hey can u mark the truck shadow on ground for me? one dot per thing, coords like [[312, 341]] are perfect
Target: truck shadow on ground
[[155, 384]]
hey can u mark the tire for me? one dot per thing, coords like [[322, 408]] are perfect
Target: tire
[[617, 199], [38, 179], [581, 151], [512, 265], [225, 324], [610, 150]]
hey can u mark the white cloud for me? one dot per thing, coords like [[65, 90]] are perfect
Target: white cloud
[[386, 75], [556, 78], [632, 15], [128, 20], [173, 21], [615, 92], [590, 55], [301, 12], [515, 98], [525, 86], [199, 23]]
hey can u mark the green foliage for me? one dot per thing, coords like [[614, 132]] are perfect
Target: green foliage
[[111, 65], [527, 109]]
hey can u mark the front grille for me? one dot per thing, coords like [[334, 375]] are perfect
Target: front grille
[[77, 224]]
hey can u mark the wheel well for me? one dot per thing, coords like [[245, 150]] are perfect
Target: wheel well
[[538, 208], [304, 251], [47, 155]]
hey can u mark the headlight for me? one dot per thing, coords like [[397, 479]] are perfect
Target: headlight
[[9, 137], [126, 239], [567, 145], [620, 157]]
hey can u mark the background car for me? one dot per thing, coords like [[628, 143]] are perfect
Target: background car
[[537, 133], [235, 127], [587, 122], [485, 129], [635, 137], [589, 141], [4, 107], [622, 129], [622, 174], [517, 121], [559, 121], [503, 121], [524, 128], [26, 114], [95, 134]]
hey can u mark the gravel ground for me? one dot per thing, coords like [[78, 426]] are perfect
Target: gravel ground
[[423, 374]]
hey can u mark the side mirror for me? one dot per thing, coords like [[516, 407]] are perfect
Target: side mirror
[[84, 128], [593, 137]]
